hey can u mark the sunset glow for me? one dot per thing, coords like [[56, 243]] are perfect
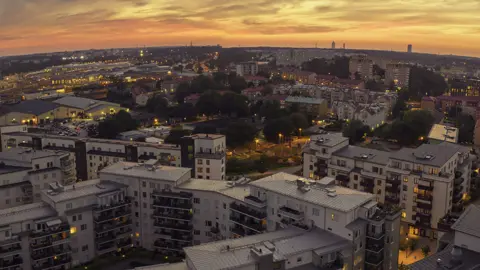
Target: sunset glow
[[447, 26]]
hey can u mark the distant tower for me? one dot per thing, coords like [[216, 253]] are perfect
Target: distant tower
[[410, 49], [191, 43], [333, 44], [344, 46]]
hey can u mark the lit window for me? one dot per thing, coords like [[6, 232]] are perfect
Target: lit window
[[333, 216], [137, 235], [405, 179], [404, 214], [73, 230]]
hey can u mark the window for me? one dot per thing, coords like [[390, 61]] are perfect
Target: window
[[315, 212], [208, 234], [144, 205], [69, 206], [334, 218], [208, 162], [83, 227], [80, 217], [355, 177], [74, 218], [200, 161], [379, 182], [299, 259], [7, 233], [375, 169], [85, 248], [73, 230], [144, 184], [200, 170], [7, 201], [355, 186], [144, 194], [208, 170], [135, 193], [196, 200], [224, 206], [405, 179], [208, 223], [405, 187], [196, 232]]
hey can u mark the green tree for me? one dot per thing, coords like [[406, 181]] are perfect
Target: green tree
[[398, 108], [240, 133], [234, 104], [373, 85], [182, 91], [299, 121], [277, 130], [271, 109], [209, 103], [425, 82], [237, 84], [466, 127], [426, 250], [176, 134], [355, 131], [113, 125], [220, 77], [402, 133], [185, 111], [420, 121]]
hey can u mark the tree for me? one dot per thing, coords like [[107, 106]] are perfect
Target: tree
[[398, 108], [426, 250], [209, 103], [234, 104], [185, 111], [176, 134], [402, 133], [267, 90], [220, 77], [466, 127], [237, 84], [158, 105], [377, 70], [373, 85], [403, 267], [275, 129], [261, 164], [271, 109], [264, 74], [426, 82], [299, 121], [420, 121], [355, 131], [240, 133], [112, 126], [339, 66], [182, 91], [206, 129]]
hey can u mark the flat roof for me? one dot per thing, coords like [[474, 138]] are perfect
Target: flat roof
[[26, 212], [6, 169], [287, 242], [345, 199], [329, 139], [443, 133], [469, 260], [35, 107], [207, 136], [429, 154], [236, 192], [83, 189], [307, 100], [364, 154], [21, 154], [81, 103], [165, 173]]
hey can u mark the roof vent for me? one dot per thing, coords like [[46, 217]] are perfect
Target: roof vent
[[230, 183], [428, 157], [332, 194], [364, 156]]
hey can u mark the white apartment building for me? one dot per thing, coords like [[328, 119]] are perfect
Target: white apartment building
[[428, 182], [247, 68], [94, 154], [361, 65], [24, 173], [398, 73]]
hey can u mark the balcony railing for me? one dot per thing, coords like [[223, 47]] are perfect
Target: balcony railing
[[173, 195], [290, 213], [177, 246], [392, 189], [395, 181], [392, 199], [102, 208], [425, 197], [374, 248], [174, 236], [173, 226], [424, 187], [53, 263], [254, 201], [342, 178], [374, 259], [377, 235], [187, 216], [368, 182], [10, 250], [247, 211], [445, 223], [4, 265], [459, 181], [171, 203], [247, 223], [50, 231], [112, 215], [50, 241], [52, 252], [213, 155], [426, 206], [103, 228], [457, 197], [423, 216]]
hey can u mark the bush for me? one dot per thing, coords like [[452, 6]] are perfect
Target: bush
[[426, 250]]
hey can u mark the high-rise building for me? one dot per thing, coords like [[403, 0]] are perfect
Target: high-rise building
[[333, 44], [361, 65], [410, 49], [398, 73], [428, 182], [247, 68]]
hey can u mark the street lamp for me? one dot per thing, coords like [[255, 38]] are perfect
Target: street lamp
[[300, 131], [280, 137], [256, 143]]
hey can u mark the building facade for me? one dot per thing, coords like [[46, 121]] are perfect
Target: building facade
[[398, 74]]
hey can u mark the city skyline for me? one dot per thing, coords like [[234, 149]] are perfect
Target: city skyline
[[36, 26]]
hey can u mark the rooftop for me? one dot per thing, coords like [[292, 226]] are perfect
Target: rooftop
[[307, 100], [429, 154], [165, 173], [27, 155], [207, 136], [444, 133], [80, 103], [6, 169], [35, 107], [172, 266], [82, 189], [364, 154], [444, 260], [235, 192], [333, 197], [232, 253], [468, 222], [25, 212], [330, 139]]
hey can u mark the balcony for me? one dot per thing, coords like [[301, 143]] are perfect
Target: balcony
[[240, 208], [7, 265], [423, 216], [342, 178], [392, 199], [424, 197], [51, 230], [367, 182], [459, 181], [173, 226], [376, 235], [103, 228], [174, 235], [173, 195], [423, 224], [290, 213], [10, 250], [392, 189], [112, 215], [52, 264], [425, 187], [214, 230], [374, 259], [425, 206], [172, 203], [446, 223], [457, 197], [62, 238], [210, 155], [374, 248], [102, 208], [124, 243], [394, 181], [166, 245], [256, 202], [50, 253], [250, 224], [371, 174], [458, 174], [186, 216]]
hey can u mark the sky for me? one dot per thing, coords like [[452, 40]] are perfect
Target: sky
[[434, 26]]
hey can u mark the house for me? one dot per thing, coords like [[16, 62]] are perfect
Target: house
[[300, 76], [141, 95], [348, 83], [313, 106]]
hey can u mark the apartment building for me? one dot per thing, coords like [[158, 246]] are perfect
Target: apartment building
[[25, 173], [247, 68], [361, 65], [311, 106], [372, 115], [398, 73], [428, 182], [91, 155]]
